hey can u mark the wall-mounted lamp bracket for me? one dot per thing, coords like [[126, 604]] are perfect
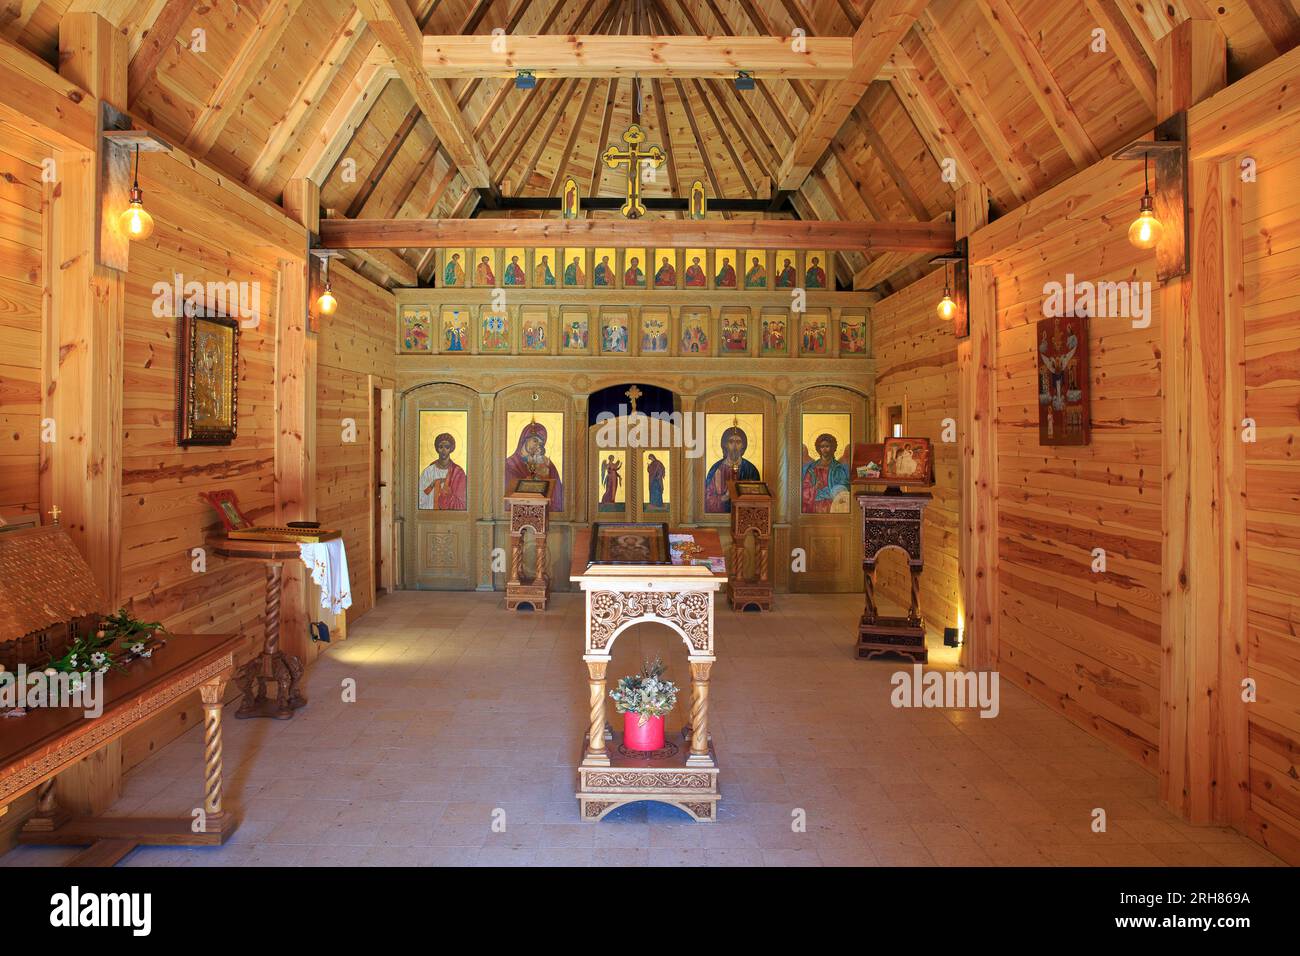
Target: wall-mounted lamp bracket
[[959, 287], [1168, 150], [119, 143]]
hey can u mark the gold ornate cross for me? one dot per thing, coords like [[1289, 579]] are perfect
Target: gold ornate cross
[[55, 512], [634, 156], [633, 394]]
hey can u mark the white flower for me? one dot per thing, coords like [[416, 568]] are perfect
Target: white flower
[[103, 670], [137, 648], [98, 657]]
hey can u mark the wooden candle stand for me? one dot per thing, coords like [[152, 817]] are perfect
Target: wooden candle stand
[[751, 510], [892, 521], [528, 510], [272, 665]]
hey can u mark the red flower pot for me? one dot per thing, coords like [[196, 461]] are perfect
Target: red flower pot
[[643, 736]]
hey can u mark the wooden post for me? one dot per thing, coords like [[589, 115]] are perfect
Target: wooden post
[[700, 713], [295, 388], [1200, 618], [596, 725], [213, 693], [977, 443]]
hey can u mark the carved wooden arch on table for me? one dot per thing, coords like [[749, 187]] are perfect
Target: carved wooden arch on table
[[456, 545], [688, 614], [832, 542], [518, 398]]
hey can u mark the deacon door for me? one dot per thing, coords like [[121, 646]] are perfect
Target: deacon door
[[440, 486], [825, 422]]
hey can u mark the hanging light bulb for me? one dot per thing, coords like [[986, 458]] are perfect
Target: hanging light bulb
[[947, 308], [326, 304], [135, 220], [1146, 229]]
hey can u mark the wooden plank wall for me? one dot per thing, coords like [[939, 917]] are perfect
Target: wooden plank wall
[[1086, 643], [916, 367], [21, 280], [355, 356], [1271, 236]]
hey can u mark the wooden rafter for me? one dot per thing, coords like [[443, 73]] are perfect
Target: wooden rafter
[[328, 142], [395, 26], [1279, 21], [930, 122], [288, 127], [885, 24], [597, 167], [880, 149], [714, 183], [385, 159], [1123, 39], [755, 233], [239, 75], [560, 167], [1023, 52], [157, 40], [972, 104], [665, 133], [543, 141], [727, 140]]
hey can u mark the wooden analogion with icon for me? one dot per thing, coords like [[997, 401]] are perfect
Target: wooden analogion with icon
[[629, 574], [527, 502], [751, 515]]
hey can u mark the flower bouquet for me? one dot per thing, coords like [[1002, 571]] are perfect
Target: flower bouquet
[[644, 699]]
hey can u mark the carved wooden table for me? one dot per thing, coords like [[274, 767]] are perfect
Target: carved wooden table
[[46, 741], [272, 666], [892, 521], [750, 512], [680, 597], [528, 512]]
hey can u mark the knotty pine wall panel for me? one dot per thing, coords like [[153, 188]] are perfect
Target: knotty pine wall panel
[[1271, 243], [1085, 643], [355, 356], [916, 367], [22, 278]]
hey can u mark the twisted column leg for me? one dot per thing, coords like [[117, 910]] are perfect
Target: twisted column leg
[[596, 726], [543, 561], [212, 693], [700, 712], [762, 559], [914, 611], [738, 560], [274, 571], [516, 558], [869, 589]]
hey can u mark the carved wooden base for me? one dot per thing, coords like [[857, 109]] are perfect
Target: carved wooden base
[[283, 670], [666, 776], [749, 594], [892, 635], [534, 595]]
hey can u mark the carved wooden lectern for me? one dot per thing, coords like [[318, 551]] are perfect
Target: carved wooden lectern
[[751, 510], [527, 503], [892, 521]]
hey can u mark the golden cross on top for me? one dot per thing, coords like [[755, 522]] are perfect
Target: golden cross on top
[[55, 512], [633, 394], [634, 156]]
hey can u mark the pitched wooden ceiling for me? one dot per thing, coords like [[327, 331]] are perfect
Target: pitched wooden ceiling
[[1009, 90]]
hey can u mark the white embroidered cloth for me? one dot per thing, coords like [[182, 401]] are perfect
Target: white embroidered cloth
[[329, 571]]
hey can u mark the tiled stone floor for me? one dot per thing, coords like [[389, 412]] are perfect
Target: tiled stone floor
[[464, 709]]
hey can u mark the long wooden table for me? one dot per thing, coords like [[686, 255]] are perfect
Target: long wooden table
[[46, 741]]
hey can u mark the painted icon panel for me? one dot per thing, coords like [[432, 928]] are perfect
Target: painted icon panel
[[535, 449], [853, 335], [656, 481], [455, 330], [756, 269], [534, 329], [654, 331], [785, 269], [817, 270], [444, 445], [695, 338], [733, 334], [725, 265], [575, 269], [814, 332], [417, 321], [695, 269], [665, 265], [826, 446], [514, 268], [453, 273], [737, 440], [494, 330], [485, 268], [575, 330], [544, 268], [604, 269], [611, 480], [634, 269], [614, 331], [774, 339]]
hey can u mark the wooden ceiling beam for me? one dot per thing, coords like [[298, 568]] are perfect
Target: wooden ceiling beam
[[1024, 54], [597, 167], [1123, 39], [883, 27], [239, 75], [727, 140], [931, 124], [327, 144], [543, 141], [385, 159], [751, 233], [973, 105], [714, 183], [662, 57], [880, 149], [157, 40], [393, 23], [666, 134]]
